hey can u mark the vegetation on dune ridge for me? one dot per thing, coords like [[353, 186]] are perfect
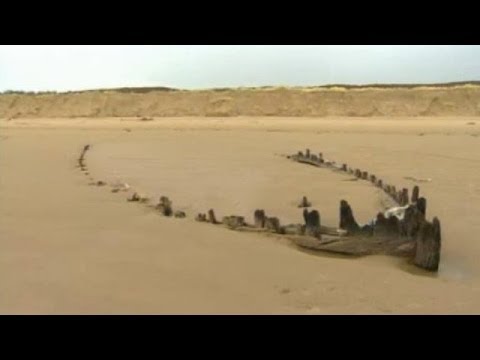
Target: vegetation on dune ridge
[[142, 90]]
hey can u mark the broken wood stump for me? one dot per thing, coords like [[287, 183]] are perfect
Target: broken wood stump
[[393, 226], [403, 197], [164, 209], [259, 218], [412, 219], [312, 223], [165, 206], [422, 205], [428, 245], [381, 226], [415, 193], [347, 220], [387, 188], [201, 217], [211, 217], [305, 215]]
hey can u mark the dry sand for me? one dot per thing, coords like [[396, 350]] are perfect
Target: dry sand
[[66, 247]]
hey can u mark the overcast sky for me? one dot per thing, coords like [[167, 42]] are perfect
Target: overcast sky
[[70, 67]]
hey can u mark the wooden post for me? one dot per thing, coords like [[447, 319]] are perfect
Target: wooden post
[[312, 224], [428, 241], [347, 220], [388, 227], [422, 205], [404, 197], [211, 217], [259, 218], [201, 217], [380, 225], [373, 179], [134, 197], [365, 175], [411, 221], [387, 189], [415, 193], [165, 206], [344, 167], [305, 215], [307, 153]]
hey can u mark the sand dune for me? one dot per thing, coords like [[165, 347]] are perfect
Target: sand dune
[[338, 100]]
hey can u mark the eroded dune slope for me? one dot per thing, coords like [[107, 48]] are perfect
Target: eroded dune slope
[[458, 100]]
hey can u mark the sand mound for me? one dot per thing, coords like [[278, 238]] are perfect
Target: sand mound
[[338, 100]]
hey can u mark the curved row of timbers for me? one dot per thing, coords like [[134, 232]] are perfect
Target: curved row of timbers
[[399, 231]]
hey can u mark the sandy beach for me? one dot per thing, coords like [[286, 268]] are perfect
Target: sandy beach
[[67, 247]]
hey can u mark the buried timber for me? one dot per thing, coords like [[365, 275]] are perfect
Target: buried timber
[[400, 230]]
